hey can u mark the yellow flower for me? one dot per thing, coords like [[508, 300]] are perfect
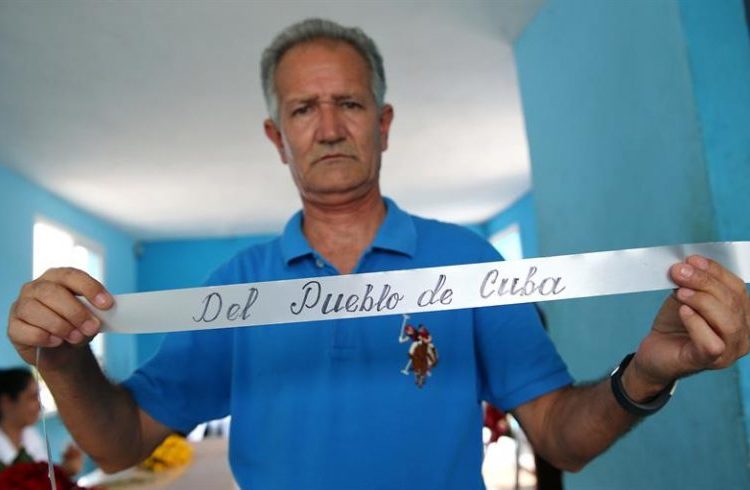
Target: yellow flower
[[173, 452]]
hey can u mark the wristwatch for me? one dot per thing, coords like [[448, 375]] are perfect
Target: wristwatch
[[639, 409]]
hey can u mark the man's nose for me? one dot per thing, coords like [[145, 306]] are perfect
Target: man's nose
[[331, 127]]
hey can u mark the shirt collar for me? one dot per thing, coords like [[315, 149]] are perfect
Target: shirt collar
[[293, 242], [397, 233]]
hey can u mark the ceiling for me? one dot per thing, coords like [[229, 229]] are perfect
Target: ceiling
[[149, 114]]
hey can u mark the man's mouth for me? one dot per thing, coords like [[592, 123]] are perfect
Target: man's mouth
[[333, 156]]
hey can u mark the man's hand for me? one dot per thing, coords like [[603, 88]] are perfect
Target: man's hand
[[72, 460], [48, 314], [705, 324], [95, 411]]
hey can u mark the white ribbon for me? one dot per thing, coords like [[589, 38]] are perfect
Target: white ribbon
[[411, 291]]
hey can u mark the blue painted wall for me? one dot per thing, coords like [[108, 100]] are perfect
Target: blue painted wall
[[181, 264], [624, 155], [719, 46], [21, 202]]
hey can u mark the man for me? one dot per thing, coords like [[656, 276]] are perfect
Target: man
[[325, 404]]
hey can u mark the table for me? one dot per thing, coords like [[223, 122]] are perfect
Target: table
[[209, 469]]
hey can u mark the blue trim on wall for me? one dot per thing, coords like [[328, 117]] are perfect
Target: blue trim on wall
[[521, 212]]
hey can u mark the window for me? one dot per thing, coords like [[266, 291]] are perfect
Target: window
[[508, 242], [54, 246]]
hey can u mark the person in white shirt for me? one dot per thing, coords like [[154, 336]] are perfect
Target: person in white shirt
[[20, 441]]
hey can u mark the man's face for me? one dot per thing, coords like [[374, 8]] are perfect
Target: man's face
[[331, 132], [24, 410]]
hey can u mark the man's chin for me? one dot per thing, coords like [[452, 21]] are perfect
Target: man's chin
[[344, 185], [338, 193]]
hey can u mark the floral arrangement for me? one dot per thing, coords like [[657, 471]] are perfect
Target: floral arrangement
[[34, 476], [173, 452]]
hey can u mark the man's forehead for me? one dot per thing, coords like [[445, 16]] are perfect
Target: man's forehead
[[311, 53], [322, 68], [321, 44]]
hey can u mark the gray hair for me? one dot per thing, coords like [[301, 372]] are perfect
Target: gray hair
[[311, 30]]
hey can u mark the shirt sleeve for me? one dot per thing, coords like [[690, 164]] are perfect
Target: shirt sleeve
[[32, 441], [517, 360], [7, 450], [188, 380]]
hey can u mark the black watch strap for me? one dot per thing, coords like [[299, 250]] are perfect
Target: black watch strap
[[633, 407]]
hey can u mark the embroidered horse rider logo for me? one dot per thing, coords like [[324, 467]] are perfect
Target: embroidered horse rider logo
[[423, 355]]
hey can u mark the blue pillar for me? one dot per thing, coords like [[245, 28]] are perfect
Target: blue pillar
[[637, 120], [719, 46]]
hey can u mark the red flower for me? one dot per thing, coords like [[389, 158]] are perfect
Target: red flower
[[33, 476]]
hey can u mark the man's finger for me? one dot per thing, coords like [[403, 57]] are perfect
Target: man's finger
[[33, 312], [690, 277], [81, 284], [721, 273], [24, 334], [706, 345], [61, 300], [719, 316]]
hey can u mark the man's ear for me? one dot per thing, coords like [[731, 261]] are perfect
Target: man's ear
[[274, 135], [386, 117]]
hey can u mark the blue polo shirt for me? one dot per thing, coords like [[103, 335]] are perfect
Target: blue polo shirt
[[327, 404]]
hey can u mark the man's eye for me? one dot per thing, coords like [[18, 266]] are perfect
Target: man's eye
[[301, 111], [350, 104]]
